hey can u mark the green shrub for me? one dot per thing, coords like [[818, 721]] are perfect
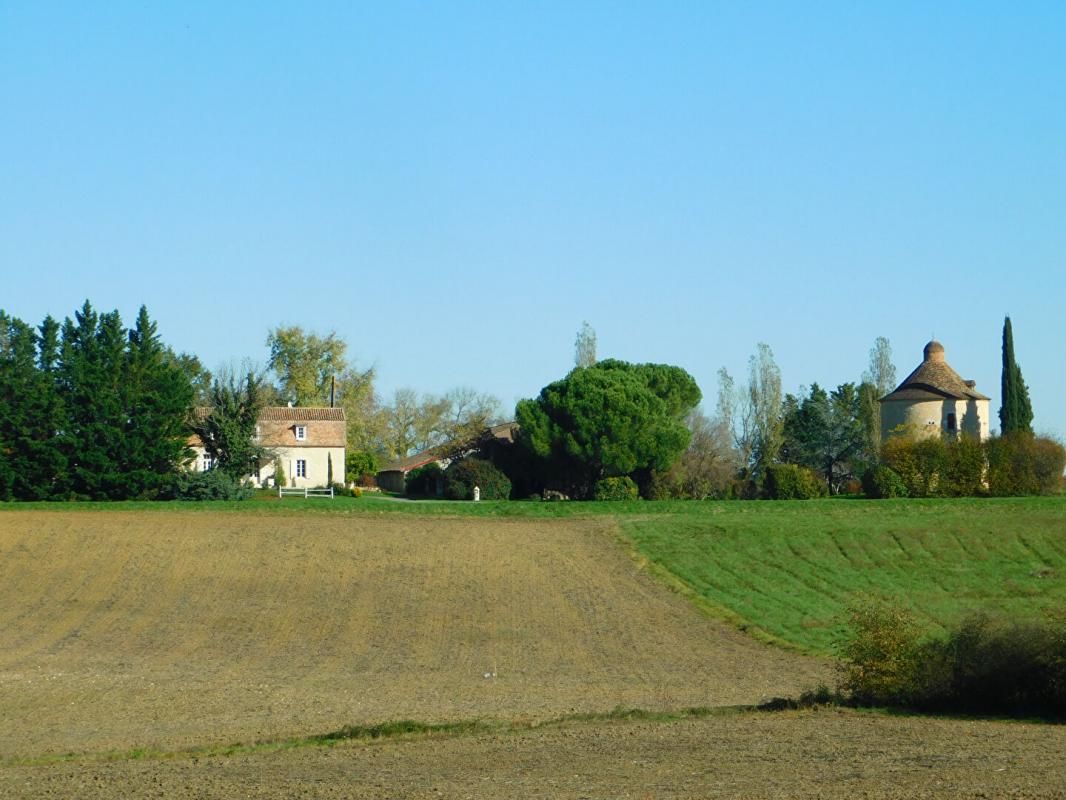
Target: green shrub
[[621, 488], [963, 472], [359, 465], [985, 665], [918, 462], [882, 482], [213, 484], [880, 656], [792, 482], [279, 474], [462, 476], [1023, 464], [424, 480]]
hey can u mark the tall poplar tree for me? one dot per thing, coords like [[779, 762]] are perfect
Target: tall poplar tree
[[585, 346], [1016, 412]]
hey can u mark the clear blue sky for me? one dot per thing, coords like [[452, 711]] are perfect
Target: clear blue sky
[[453, 188]]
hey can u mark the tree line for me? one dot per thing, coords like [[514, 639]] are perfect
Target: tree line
[[761, 442], [91, 409]]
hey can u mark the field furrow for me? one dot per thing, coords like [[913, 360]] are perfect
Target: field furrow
[[164, 630]]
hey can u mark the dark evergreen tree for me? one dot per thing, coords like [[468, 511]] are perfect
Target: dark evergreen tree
[[824, 432], [607, 420], [227, 429], [89, 409], [157, 397], [31, 465], [91, 374], [1016, 412]]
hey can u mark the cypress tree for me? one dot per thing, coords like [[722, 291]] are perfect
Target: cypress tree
[[1016, 412]]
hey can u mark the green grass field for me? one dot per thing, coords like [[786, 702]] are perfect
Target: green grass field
[[790, 570]]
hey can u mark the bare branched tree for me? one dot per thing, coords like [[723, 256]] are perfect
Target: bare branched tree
[[585, 346]]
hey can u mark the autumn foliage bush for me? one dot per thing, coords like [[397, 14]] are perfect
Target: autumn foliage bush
[[1015, 464], [985, 664]]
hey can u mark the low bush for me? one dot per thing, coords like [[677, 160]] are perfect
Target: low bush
[[879, 656], [792, 482], [1023, 464], [882, 482], [621, 488], [213, 484], [1013, 465], [360, 466], [918, 462], [985, 665], [424, 480], [462, 476]]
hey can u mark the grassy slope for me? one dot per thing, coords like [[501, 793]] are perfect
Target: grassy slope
[[791, 569]]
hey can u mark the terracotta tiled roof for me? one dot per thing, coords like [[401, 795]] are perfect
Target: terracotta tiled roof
[[411, 462], [934, 379], [504, 432], [286, 414], [301, 414]]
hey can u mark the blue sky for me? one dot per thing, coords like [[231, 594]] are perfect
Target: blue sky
[[454, 187]]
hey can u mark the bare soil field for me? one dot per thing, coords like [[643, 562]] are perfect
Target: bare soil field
[[167, 630], [825, 754]]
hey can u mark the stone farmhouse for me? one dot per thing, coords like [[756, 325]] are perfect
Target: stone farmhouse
[[933, 400], [304, 440]]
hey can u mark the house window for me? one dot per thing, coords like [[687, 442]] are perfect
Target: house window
[[257, 433], [208, 462], [301, 433], [952, 424], [301, 468]]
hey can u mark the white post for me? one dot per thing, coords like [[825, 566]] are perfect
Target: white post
[[477, 494]]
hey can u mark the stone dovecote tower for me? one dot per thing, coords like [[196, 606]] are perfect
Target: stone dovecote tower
[[933, 400]]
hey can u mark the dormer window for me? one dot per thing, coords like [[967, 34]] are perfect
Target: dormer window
[[301, 433]]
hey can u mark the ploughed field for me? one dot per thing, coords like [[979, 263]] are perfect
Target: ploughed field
[[816, 754], [196, 653], [161, 630]]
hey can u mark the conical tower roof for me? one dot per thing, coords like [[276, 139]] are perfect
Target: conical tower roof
[[934, 379]]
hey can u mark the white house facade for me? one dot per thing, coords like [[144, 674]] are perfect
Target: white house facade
[[307, 442]]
